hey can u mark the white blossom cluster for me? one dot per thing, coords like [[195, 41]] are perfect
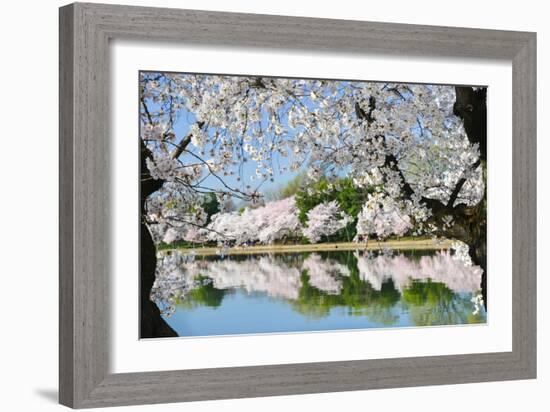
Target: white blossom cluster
[[382, 215], [266, 224], [477, 300], [171, 170], [325, 219], [436, 163], [175, 213], [461, 252]]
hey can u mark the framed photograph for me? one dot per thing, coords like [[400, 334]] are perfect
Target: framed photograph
[[256, 205]]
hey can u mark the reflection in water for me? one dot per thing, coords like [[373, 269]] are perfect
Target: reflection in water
[[324, 274], [440, 267], [314, 291]]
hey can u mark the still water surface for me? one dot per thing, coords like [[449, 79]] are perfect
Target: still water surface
[[292, 292]]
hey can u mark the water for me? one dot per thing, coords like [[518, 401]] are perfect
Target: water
[[293, 292]]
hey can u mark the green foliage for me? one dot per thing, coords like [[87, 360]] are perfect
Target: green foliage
[[349, 197], [292, 187], [433, 303], [210, 205], [477, 318], [422, 293], [204, 295]]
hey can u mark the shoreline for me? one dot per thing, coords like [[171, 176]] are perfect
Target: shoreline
[[408, 244]]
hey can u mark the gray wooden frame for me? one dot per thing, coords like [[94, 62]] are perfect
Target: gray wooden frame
[[85, 31]]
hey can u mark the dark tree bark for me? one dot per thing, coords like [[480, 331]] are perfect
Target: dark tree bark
[[151, 323], [471, 107]]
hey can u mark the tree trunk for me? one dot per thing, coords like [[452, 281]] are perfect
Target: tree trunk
[[471, 107], [470, 227], [152, 325]]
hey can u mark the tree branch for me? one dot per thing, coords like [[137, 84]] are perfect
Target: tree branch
[[459, 185], [182, 145]]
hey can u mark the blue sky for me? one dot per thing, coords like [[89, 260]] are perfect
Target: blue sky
[[181, 128]]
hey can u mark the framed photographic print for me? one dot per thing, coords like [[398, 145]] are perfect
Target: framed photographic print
[[258, 205], [290, 193]]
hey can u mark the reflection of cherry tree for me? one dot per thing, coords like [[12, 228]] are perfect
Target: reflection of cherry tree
[[177, 274], [422, 145], [171, 280], [264, 274], [442, 267], [324, 274]]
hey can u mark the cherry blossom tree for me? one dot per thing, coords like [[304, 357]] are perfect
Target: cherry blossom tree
[[282, 220], [324, 220], [423, 146], [265, 224]]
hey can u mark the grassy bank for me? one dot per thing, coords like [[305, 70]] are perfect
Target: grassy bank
[[401, 244]]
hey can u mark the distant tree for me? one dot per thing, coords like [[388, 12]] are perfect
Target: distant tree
[[289, 189], [211, 206], [265, 224], [325, 220], [350, 199]]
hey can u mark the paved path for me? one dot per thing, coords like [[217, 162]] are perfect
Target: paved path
[[407, 244]]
